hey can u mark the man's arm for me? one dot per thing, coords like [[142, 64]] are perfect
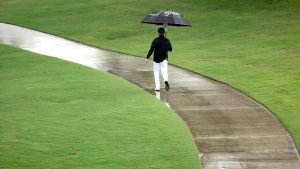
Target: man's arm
[[170, 47], [151, 50]]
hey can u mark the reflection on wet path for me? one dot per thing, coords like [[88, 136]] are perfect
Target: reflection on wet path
[[231, 130]]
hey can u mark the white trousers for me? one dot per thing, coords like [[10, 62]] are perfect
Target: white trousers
[[162, 68]]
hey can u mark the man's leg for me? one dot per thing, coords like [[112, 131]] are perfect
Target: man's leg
[[156, 70], [164, 72]]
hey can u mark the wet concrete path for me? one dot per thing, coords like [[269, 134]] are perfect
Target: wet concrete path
[[231, 130]]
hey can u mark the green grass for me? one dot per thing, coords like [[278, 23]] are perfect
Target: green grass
[[252, 45], [56, 114]]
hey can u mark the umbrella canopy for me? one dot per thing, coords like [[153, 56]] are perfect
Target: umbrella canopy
[[166, 18]]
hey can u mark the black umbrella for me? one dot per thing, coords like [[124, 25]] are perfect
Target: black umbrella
[[166, 18]]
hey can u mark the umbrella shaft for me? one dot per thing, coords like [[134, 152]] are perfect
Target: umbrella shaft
[[166, 27]]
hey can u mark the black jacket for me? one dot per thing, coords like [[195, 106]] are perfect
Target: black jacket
[[160, 45]]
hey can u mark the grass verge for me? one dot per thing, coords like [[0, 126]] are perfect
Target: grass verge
[[56, 114]]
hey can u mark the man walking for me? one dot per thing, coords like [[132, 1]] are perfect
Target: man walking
[[160, 46]]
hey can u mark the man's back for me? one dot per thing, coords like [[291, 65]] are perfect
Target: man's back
[[160, 46]]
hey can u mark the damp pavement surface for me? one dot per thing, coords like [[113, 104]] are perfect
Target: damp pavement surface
[[231, 130]]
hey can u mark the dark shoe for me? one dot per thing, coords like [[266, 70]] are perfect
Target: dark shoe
[[167, 87]]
